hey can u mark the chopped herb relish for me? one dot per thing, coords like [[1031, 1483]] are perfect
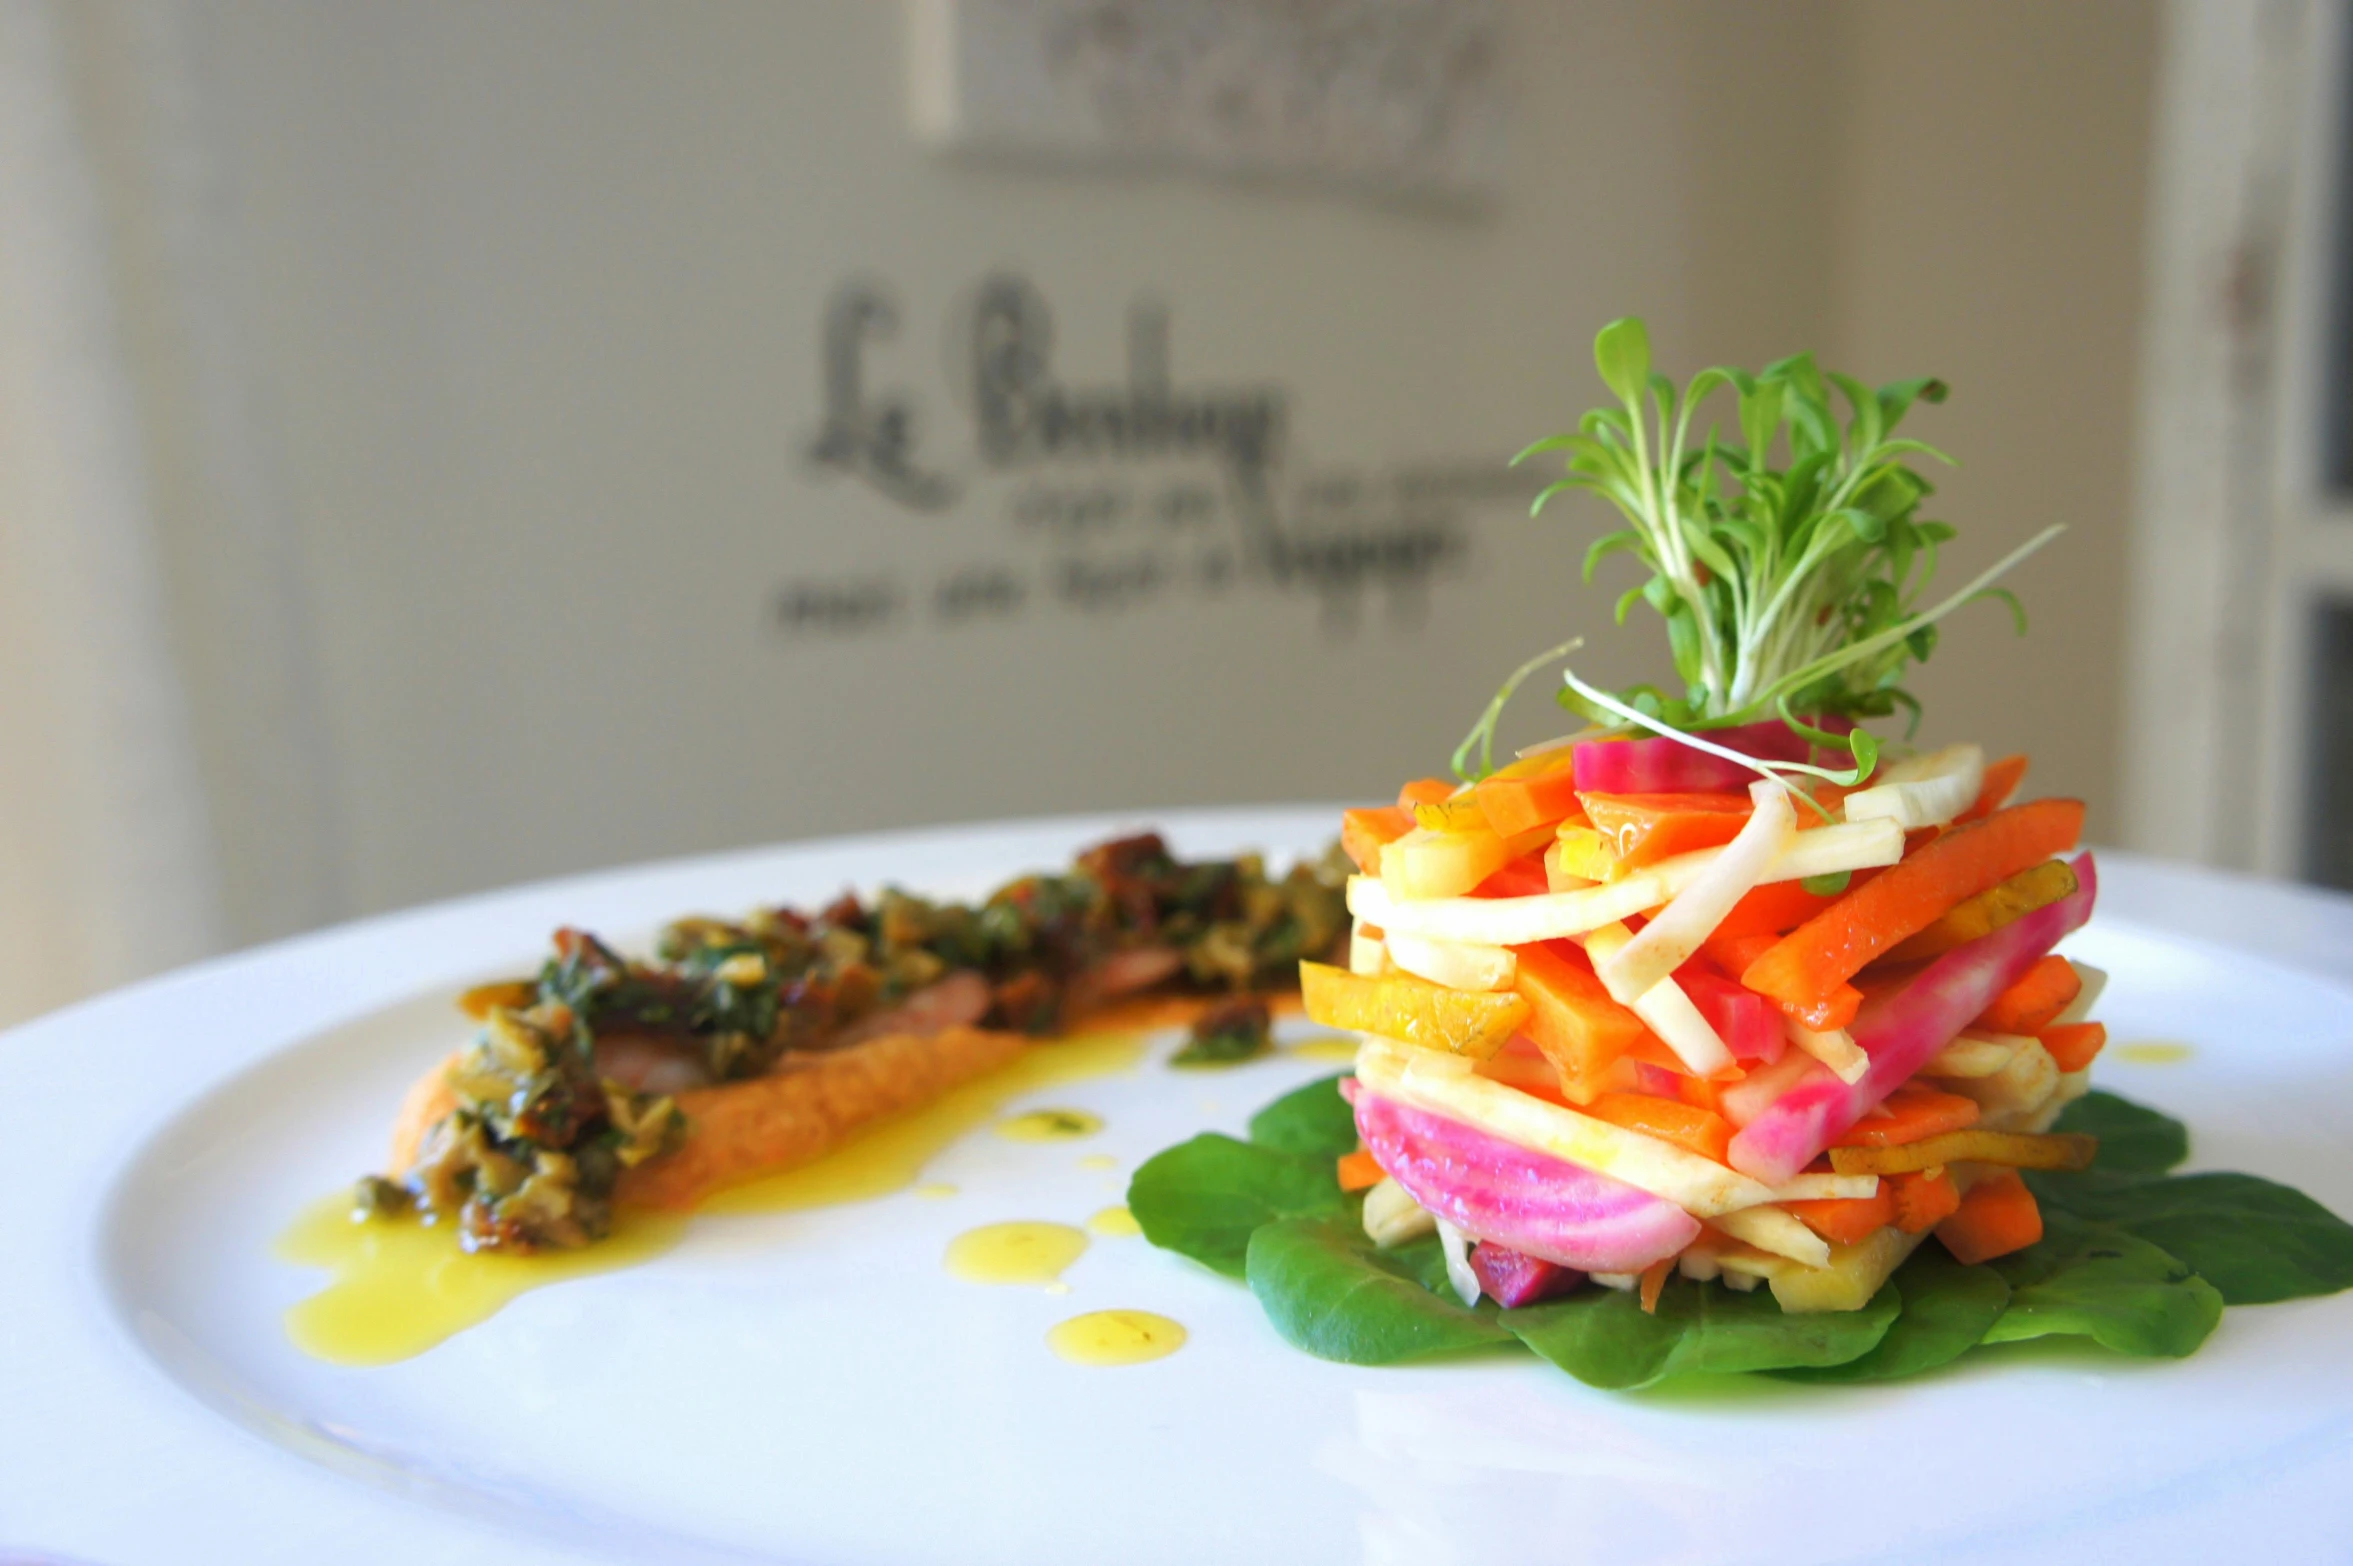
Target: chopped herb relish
[[1229, 1032], [556, 1098]]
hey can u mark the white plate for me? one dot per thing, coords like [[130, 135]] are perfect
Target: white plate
[[815, 1387]]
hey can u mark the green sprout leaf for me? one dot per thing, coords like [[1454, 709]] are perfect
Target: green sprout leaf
[[1787, 591], [1622, 354]]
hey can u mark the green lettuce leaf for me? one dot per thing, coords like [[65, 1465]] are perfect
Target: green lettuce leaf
[[1329, 1290], [1948, 1309], [1314, 1122], [2134, 1139], [2099, 1281], [1204, 1198], [2254, 1240], [2132, 1257], [1603, 1338]]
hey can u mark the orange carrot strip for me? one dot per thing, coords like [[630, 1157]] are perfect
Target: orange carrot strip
[[1654, 1283], [1847, 1220], [1734, 953], [2001, 781], [1914, 1113], [1998, 1216], [1358, 1171], [1808, 965], [1424, 791], [1775, 908], [1527, 794], [1571, 1016], [2075, 1045], [1362, 832], [1642, 829], [2035, 1001], [1668, 1119], [1922, 1201]]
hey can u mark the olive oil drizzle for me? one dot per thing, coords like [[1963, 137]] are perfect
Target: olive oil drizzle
[[398, 1287]]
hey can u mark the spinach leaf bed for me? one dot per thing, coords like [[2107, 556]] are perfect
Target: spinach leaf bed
[[2134, 1257]]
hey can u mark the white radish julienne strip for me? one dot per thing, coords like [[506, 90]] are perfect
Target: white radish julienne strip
[[1548, 916], [1456, 965], [1669, 1013], [1676, 931], [1973, 1055], [1441, 1084], [1835, 1048], [1922, 791], [1391, 1217], [1665, 1008], [1772, 1229], [1456, 1247]]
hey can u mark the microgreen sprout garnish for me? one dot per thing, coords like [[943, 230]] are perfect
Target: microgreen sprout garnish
[[1789, 591], [1482, 733]]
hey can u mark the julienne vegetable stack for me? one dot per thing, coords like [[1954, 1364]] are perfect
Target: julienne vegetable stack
[[1683, 1036], [1704, 1094]]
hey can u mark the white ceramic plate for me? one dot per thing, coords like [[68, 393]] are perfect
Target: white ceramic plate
[[814, 1387]]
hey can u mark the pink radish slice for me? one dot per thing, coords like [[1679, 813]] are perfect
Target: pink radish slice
[[1746, 1021], [1902, 1031], [1495, 1190], [1514, 1278], [1659, 765]]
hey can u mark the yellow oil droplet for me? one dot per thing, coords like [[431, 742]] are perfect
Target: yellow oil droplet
[[2154, 1053], [891, 1156], [1115, 1337], [1330, 1046], [1015, 1252], [400, 1286], [1098, 1161], [1115, 1223], [935, 1191], [1050, 1125]]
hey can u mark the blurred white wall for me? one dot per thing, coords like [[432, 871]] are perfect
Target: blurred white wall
[[478, 355]]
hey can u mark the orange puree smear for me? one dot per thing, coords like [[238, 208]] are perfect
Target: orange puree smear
[[398, 1287]]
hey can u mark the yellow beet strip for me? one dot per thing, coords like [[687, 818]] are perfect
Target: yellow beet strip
[[1988, 911], [1411, 1010], [2014, 1149]]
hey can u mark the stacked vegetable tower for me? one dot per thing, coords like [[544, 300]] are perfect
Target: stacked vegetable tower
[[1709, 986], [1626, 1011]]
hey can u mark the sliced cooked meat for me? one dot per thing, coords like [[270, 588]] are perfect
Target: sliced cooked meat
[[957, 1001]]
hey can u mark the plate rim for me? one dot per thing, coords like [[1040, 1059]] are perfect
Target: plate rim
[[95, 1382]]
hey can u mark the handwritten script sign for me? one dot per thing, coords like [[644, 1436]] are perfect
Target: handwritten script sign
[[1121, 494]]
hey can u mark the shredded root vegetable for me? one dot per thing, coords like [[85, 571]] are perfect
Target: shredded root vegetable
[[1664, 1006], [1392, 1217], [2012, 1149], [1444, 1085], [1922, 791], [1550, 916], [1833, 1047], [1670, 939], [1458, 965], [1456, 1247], [1776, 1230]]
